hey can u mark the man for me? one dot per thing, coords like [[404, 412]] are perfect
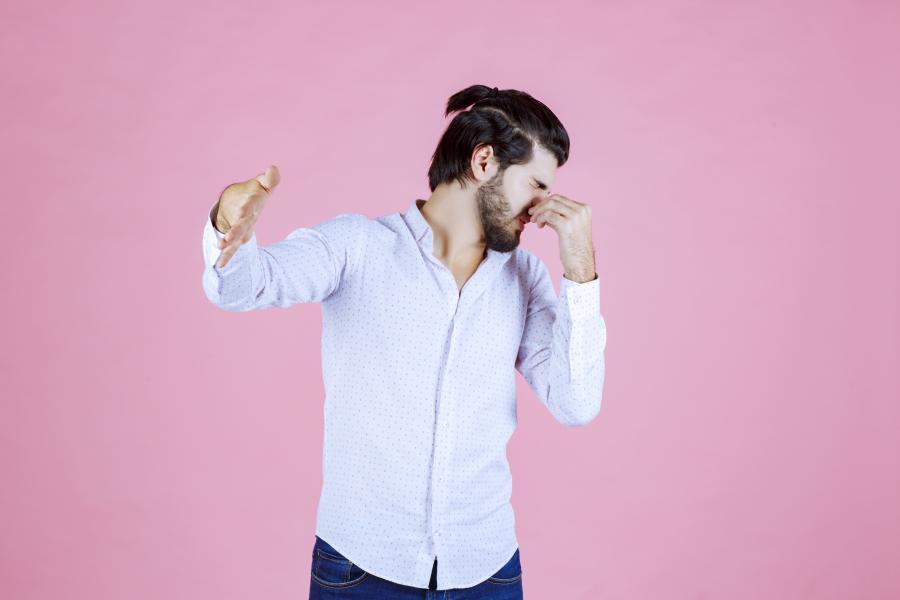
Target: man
[[427, 314]]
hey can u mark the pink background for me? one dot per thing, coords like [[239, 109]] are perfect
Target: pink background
[[741, 161]]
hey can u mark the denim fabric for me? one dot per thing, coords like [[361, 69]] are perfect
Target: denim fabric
[[334, 576]]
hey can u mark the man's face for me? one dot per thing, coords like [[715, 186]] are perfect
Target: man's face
[[503, 201]]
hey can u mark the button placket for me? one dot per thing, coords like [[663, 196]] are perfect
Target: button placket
[[438, 466], [443, 436]]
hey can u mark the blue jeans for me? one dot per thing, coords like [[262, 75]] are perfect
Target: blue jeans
[[334, 576]]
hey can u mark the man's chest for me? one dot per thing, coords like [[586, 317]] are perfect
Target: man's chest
[[405, 303]]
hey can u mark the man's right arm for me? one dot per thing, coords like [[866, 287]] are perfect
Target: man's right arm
[[307, 266]]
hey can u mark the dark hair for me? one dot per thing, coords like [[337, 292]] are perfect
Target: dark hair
[[510, 121]]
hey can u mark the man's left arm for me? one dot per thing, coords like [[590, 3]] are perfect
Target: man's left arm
[[561, 354]]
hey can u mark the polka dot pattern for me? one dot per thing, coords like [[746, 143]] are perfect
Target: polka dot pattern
[[420, 395]]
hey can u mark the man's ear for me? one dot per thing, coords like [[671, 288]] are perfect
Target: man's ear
[[484, 164]]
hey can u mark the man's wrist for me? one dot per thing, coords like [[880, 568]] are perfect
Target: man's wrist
[[580, 277]]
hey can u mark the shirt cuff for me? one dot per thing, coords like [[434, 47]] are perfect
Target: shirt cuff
[[212, 252], [582, 299]]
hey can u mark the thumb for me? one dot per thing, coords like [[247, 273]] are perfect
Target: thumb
[[270, 178]]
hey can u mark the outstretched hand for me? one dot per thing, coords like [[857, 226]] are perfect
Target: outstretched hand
[[239, 206]]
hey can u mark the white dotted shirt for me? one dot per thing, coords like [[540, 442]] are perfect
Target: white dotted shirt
[[420, 387]]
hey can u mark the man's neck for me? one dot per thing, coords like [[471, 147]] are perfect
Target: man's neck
[[453, 218]]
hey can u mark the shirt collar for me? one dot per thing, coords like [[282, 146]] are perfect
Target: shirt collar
[[416, 222]]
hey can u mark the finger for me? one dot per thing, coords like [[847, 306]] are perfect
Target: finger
[[565, 201], [550, 217], [232, 241], [224, 258], [228, 252], [551, 203], [236, 234], [245, 219], [224, 244], [571, 208], [269, 179], [539, 203], [226, 237]]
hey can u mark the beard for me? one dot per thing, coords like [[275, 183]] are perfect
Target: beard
[[500, 231]]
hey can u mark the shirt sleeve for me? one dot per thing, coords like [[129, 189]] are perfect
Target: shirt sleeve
[[308, 265], [561, 354]]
